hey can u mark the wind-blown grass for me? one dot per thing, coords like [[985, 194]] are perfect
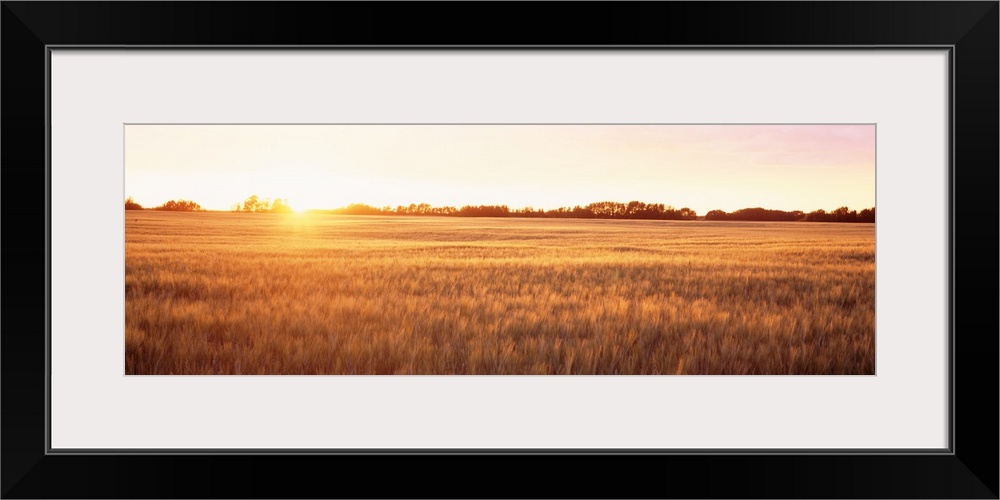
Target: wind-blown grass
[[221, 293]]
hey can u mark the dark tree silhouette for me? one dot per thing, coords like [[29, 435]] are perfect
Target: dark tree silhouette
[[179, 206], [761, 214], [819, 216], [716, 215], [597, 210], [130, 204], [867, 215], [844, 214], [688, 214], [484, 211]]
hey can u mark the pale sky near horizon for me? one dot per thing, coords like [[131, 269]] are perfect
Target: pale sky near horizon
[[702, 167]]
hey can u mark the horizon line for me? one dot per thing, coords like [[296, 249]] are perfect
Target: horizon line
[[511, 207]]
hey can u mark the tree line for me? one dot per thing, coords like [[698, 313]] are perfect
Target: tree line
[[842, 214], [597, 210], [612, 210], [170, 206], [251, 204], [254, 204]]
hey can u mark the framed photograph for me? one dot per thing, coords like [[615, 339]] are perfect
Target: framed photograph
[[731, 252], [348, 275]]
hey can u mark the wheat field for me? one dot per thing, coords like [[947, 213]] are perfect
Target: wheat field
[[229, 293]]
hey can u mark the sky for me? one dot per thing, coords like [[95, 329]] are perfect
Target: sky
[[701, 167]]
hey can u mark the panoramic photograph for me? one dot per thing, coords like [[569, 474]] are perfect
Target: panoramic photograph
[[577, 249]]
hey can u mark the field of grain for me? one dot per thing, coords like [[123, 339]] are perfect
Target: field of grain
[[231, 293]]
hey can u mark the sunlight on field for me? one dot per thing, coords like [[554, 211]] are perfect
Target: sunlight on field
[[230, 293]]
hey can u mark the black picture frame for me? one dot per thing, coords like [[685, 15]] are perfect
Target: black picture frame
[[968, 470]]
